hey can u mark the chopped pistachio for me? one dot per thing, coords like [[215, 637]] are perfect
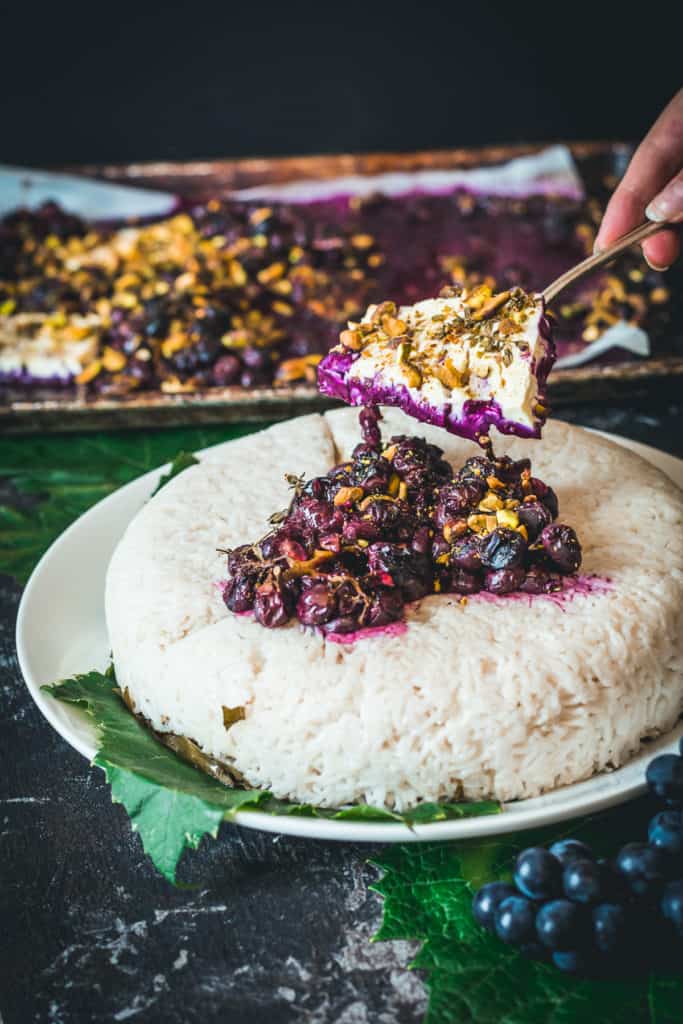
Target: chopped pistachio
[[453, 529], [90, 372], [491, 305], [491, 502], [351, 339], [506, 517], [347, 495], [394, 484], [232, 715], [494, 484], [112, 360]]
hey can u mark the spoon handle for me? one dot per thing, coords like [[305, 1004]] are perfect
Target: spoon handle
[[597, 259]]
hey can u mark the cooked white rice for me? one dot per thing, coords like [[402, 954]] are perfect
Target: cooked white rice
[[494, 698]]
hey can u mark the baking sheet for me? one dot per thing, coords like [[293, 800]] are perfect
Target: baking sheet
[[310, 176]]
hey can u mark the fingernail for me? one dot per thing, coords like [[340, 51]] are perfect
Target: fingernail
[[653, 266], [668, 205], [656, 211], [597, 248]]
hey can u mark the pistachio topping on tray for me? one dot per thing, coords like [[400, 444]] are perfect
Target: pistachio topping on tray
[[237, 293], [394, 524], [228, 293]]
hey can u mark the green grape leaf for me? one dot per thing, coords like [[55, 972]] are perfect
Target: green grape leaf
[[183, 460], [65, 474], [170, 803]]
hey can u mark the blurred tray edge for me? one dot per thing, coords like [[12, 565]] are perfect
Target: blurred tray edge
[[195, 176], [231, 405]]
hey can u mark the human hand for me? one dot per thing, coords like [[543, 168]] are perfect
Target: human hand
[[652, 188]]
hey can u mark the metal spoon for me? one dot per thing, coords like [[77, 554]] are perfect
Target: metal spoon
[[597, 259]]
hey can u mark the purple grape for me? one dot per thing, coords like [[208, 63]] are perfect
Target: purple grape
[[514, 920], [462, 582], [537, 873], [385, 514], [571, 961], [349, 601], [671, 904], [384, 543], [317, 487], [319, 515], [239, 594], [387, 606], [371, 472], [316, 605], [509, 470], [614, 887], [535, 516], [226, 370], [547, 496], [642, 867], [504, 581], [330, 542], [664, 776], [477, 468], [665, 832], [609, 927], [422, 540], [456, 499], [257, 358], [503, 549], [414, 588], [568, 850], [360, 529], [583, 881], [409, 571], [363, 452], [487, 901], [269, 606], [240, 558], [466, 554], [537, 581], [291, 548], [561, 545], [560, 925], [440, 546]]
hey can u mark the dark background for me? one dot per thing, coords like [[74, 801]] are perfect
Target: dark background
[[110, 83], [270, 929]]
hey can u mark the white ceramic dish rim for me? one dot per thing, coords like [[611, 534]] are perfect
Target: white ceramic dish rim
[[112, 513]]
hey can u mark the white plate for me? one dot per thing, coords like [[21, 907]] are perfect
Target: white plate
[[61, 631]]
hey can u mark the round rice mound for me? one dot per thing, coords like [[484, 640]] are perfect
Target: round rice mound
[[502, 698]]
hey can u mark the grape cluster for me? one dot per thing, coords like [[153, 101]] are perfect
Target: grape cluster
[[393, 524], [594, 916]]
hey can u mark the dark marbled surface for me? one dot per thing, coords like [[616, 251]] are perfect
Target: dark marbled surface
[[265, 929]]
